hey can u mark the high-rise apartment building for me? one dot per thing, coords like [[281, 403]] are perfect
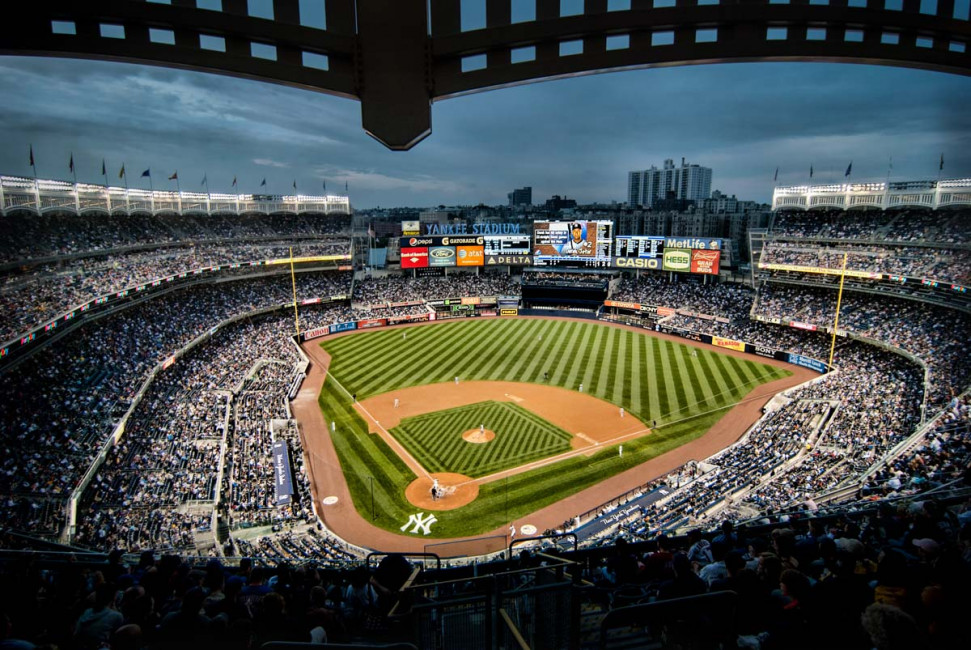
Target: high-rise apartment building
[[684, 183], [522, 196]]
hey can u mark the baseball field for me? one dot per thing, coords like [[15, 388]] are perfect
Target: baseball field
[[537, 453]]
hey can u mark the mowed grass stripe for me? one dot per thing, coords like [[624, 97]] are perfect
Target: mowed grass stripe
[[565, 344], [606, 365], [520, 437], [701, 380], [634, 373], [620, 391], [690, 392], [670, 389]]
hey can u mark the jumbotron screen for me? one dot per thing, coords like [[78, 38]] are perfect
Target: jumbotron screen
[[572, 243]]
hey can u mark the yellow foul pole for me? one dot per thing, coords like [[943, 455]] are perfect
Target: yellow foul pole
[[293, 280], [836, 321]]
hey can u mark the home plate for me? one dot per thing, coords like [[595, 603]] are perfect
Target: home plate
[[527, 529], [329, 501]]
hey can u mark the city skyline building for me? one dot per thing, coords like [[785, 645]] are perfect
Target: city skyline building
[[689, 182]]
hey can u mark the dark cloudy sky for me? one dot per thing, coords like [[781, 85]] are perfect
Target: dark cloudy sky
[[576, 137]]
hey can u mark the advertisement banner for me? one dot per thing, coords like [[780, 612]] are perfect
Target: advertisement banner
[[761, 350], [665, 311], [807, 362], [509, 260], [409, 228], [705, 262], [368, 323], [728, 344], [438, 240], [508, 312], [622, 305], [342, 327], [439, 256], [314, 333], [822, 271], [650, 263], [471, 301], [414, 258], [282, 483], [411, 318], [469, 256], [802, 326], [677, 259], [487, 300]]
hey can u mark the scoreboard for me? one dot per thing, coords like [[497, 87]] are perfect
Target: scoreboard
[[639, 246]]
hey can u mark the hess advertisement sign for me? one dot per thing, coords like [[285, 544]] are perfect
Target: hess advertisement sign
[[677, 259]]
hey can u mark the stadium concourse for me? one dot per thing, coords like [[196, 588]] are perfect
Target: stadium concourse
[[150, 429]]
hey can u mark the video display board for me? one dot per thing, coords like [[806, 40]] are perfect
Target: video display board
[[572, 243]]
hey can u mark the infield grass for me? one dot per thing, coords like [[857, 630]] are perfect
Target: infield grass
[[521, 437], [654, 379]]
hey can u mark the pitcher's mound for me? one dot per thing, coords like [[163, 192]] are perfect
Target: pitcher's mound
[[457, 490], [478, 436]]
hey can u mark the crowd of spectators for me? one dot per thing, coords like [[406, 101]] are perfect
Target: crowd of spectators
[[35, 295], [401, 288], [919, 226], [163, 601], [895, 578], [47, 235], [59, 409], [936, 335], [732, 301], [947, 264]]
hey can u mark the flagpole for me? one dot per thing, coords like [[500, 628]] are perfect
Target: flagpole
[[74, 169], [836, 321], [124, 174], [104, 172], [293, 280], [889, 169]]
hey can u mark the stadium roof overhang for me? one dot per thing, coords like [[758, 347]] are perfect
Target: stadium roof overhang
[[398, 57]]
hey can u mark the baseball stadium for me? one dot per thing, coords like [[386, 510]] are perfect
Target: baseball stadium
[[502, 429], [280, 420]]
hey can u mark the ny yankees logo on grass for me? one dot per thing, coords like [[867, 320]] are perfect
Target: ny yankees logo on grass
[[421, 523]]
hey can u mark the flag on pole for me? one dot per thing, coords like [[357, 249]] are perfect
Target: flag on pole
[[294, 184], [810, 171], [205, 179], [175, 176], [147, 172], [345, 187], [776, 175], [104, 168], [849, 169], [941, 168], [70, 164], [325, 186], [263, 184], [234, 181], [31, 155], [121, 174], [370, 230]]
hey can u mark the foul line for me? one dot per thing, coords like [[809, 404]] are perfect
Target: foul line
[[387, 437]]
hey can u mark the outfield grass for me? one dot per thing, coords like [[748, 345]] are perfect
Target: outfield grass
[[521, 437], [653, 379]]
